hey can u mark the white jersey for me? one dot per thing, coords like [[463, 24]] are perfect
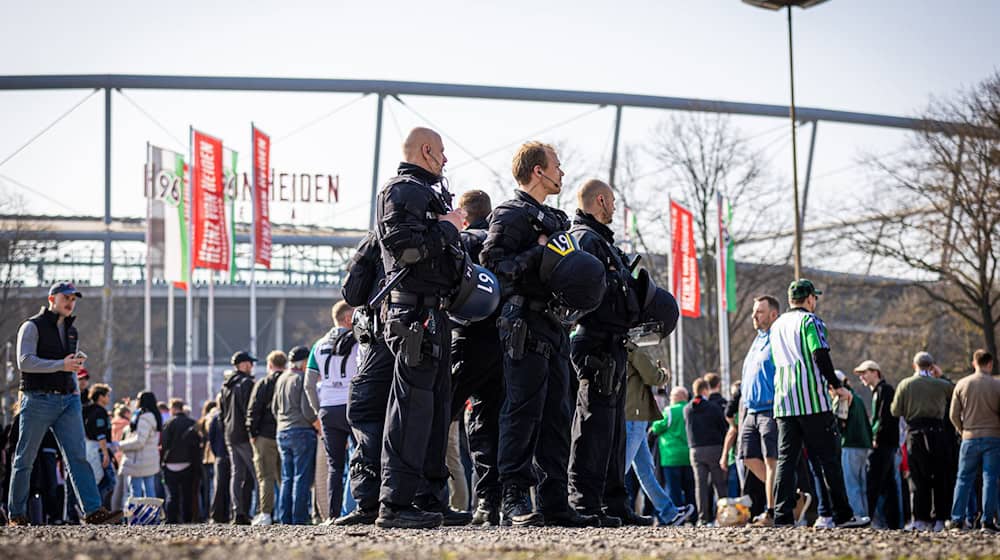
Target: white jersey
[[335, 371]]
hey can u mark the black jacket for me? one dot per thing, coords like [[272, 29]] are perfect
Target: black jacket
[[411, 235], [180, 441], [51, 347], [96, 423], [619, 310], [511, 249], [718, 400], [260, 419], [705, 422], [234, 400], [885, 426]]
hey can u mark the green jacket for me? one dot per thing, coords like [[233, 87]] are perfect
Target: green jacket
[[857, 429], [673, 441], [642, 375]]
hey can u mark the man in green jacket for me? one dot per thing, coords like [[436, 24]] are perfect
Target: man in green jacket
[[856, 444], [674, 453]]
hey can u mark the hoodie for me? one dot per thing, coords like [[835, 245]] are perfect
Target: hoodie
[[234, 399], [705, 422]]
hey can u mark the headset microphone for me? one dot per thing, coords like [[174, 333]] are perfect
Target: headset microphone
[[550, 179]]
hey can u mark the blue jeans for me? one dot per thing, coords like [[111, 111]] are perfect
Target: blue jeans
[[679, 483], [855, 461], [39, 412], [297, 447], [142, 486], [639, 458], [973, 453]]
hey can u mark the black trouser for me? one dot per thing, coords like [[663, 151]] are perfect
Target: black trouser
[[881, 481], [477, 375], [220, 493], [818, 432], [537, 411], [333, 420], [930, 446], [417, 420], [243, 480], [180, 486], [597, 453], [366, 403]]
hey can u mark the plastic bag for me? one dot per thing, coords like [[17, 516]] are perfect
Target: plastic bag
[[733, 512], [144, 511]]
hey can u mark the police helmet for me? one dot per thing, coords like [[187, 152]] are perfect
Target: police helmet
[[645, 289], [578, 281], [663, 311], [477, 297]]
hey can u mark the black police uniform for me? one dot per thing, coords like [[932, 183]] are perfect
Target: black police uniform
[[599, 356], [418, 333], [368, 393], [536, 414], [477, 375]]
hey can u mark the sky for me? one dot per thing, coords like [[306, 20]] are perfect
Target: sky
[[889, 57]]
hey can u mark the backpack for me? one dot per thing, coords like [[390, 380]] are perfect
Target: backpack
[[363, 272]]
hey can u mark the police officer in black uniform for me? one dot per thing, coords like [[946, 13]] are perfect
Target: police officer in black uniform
[[418, 235], [477, 374], [599, 357], [536, 414], [368, 393]]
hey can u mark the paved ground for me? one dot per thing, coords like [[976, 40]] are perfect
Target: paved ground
[[300, 543]]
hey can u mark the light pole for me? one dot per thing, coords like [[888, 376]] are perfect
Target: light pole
[[777, 5]]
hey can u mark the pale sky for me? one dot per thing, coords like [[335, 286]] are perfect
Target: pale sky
[[885, 56]]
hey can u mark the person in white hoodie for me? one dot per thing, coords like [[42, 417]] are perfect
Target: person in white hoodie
[[141, 448]]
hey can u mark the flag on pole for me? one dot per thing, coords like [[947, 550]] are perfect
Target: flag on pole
[[727, 255], [232, 190], [261, 190], [686, 284], [211, 238], [171, 201]]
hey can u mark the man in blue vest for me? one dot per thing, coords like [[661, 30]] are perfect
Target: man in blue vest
[[48, 356]]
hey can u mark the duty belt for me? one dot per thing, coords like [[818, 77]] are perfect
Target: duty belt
[[416, 300]]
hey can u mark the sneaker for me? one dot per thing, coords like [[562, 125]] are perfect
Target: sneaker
[[763, 520], [487, 513], [572, 518], [990, 527], [609, 521], [938, 527], [956, 526], [683, 515], [632, 518], [357, 517], [18, 521], [824, 523], [855, 522], [409, 517], [262, 519], [454, 518], [708, 524], [329, 522], [921, 526], [517, 510], [103, 517], [801, 506]]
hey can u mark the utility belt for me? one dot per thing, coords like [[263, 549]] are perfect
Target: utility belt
[[415, 345], [418, 300], [598, 366]]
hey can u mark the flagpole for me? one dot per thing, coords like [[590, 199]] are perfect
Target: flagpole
[[170, 337], [188, 303], [675, 378], [147, 304], [210, 345], [723, 313], [253, 246]]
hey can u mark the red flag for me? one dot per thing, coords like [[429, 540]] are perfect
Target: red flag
[[211, 236], [261, 191], [685, 261]]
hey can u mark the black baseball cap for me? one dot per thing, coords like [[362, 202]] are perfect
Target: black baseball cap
[[298, 354], [241, 357], [801, 289], [66, 288]]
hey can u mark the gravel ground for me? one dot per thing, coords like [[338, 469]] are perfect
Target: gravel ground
[[279, 542]]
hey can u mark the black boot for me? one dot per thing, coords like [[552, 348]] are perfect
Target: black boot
[[517, 510], [357, 517], [630, 517], [487, 512], [571, 518], [409, 517]]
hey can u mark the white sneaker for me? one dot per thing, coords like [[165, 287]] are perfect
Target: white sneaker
[[262, 519], [824, 523]]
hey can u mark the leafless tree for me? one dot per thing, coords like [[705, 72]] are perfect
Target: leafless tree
[[938, 207]]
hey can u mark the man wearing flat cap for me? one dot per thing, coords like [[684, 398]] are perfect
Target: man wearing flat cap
[[49, 358], [802, 410], [234, 401], [882, 477]]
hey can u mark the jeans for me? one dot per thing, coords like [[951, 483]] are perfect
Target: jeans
[[679, 483], [973, 453], [639, 459], [297, 447], [39, 412], [854, 461], [142, 486]]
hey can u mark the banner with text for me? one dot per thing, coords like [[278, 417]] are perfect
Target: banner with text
[[684, 261], [166, 185], [261, 186], [211, 235]]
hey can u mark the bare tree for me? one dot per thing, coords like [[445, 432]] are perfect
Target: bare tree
[[937, 212]]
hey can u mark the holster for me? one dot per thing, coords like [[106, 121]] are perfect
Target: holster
[[412, 341], [603, 372], [518, 336], [364, 327]]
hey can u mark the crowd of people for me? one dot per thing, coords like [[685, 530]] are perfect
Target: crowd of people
[[489, 366]]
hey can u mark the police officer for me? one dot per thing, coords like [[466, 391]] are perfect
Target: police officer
[[599, 357], [477, 374], [418, 235], [368, 393], [536, 414]]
